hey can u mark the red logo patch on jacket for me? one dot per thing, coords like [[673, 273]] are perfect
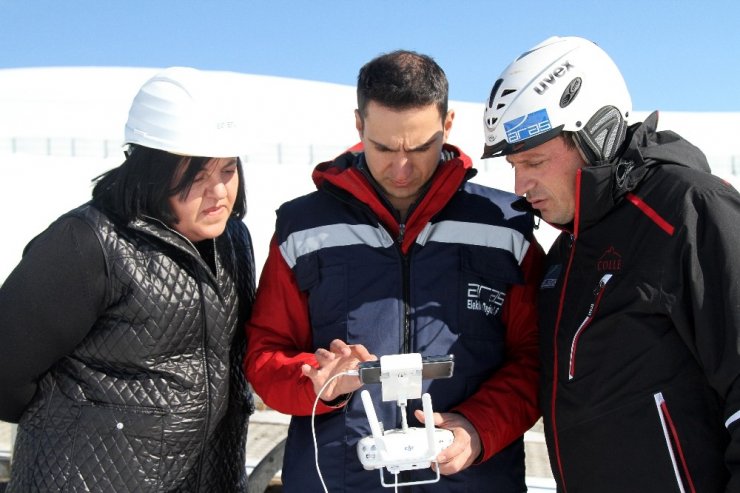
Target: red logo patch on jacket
[[610, 261]]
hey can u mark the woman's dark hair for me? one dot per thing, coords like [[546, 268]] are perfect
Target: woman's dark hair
[[143, 185], [402, 80]]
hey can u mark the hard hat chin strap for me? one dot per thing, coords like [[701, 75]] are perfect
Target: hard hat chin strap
[[602, 137]]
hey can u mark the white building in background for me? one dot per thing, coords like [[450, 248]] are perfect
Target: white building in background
[[61, 127]]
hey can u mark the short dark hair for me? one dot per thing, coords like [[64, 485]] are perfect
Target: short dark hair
[[143, 184], [402, 80], [570, 139]]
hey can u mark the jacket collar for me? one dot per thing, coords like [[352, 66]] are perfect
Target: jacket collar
[[600, 188], [345, 176], [159, 230]]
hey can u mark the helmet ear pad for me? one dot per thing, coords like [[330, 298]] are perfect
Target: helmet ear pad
[[603, 135]]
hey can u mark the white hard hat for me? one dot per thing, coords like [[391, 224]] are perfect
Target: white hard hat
[[186, 111], [562, 84]]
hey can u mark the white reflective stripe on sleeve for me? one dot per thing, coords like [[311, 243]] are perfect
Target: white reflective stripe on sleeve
[[333, 235], [659, 401], [732, 419], [476, 234]]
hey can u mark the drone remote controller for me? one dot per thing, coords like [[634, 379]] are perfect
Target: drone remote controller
[[402, 450], [406, 448]]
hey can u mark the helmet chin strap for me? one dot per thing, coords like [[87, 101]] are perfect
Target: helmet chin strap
[[602, 136]]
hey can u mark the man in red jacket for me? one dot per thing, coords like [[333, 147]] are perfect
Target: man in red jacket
[[398, 252]]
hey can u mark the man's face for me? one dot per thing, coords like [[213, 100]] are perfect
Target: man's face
[[546, 176], [402, 148], [203, 213]]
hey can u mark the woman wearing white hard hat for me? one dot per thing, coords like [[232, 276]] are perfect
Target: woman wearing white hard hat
[[122, 339]]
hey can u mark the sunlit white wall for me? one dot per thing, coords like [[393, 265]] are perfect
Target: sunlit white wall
[[290, 125]]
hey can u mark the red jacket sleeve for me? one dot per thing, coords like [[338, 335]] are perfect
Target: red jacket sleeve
[[279, 341], [506, 404]]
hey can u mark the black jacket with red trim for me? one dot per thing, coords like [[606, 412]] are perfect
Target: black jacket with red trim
[[640, 319], [460, 276]]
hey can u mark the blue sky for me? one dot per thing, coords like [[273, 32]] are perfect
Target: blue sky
[[676, 55]]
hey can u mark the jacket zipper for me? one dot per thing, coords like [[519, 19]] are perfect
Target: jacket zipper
[[671, 437], [405, 286], [553, 398], [598, 292], [404, 476], [207, 388], [204, 340], [406, 306]]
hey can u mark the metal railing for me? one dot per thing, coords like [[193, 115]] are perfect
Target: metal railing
[[262, 152]]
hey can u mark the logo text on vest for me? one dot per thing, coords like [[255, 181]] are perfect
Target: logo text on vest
[[485, 299]]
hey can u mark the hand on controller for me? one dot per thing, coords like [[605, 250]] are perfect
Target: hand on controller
[[466, 446]]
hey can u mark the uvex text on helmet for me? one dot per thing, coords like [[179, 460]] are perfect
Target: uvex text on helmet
[[561, 84], [189, 112]]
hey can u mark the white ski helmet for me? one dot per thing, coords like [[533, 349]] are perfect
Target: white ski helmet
[[562, 84], [185, 111]]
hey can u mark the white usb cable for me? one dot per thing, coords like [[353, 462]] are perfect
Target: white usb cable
[[350, 373]]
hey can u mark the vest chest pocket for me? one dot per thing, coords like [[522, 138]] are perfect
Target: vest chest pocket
[[326, 287]]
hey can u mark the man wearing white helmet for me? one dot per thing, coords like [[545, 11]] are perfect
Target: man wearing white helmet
[[639, 318], [121, 328]]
